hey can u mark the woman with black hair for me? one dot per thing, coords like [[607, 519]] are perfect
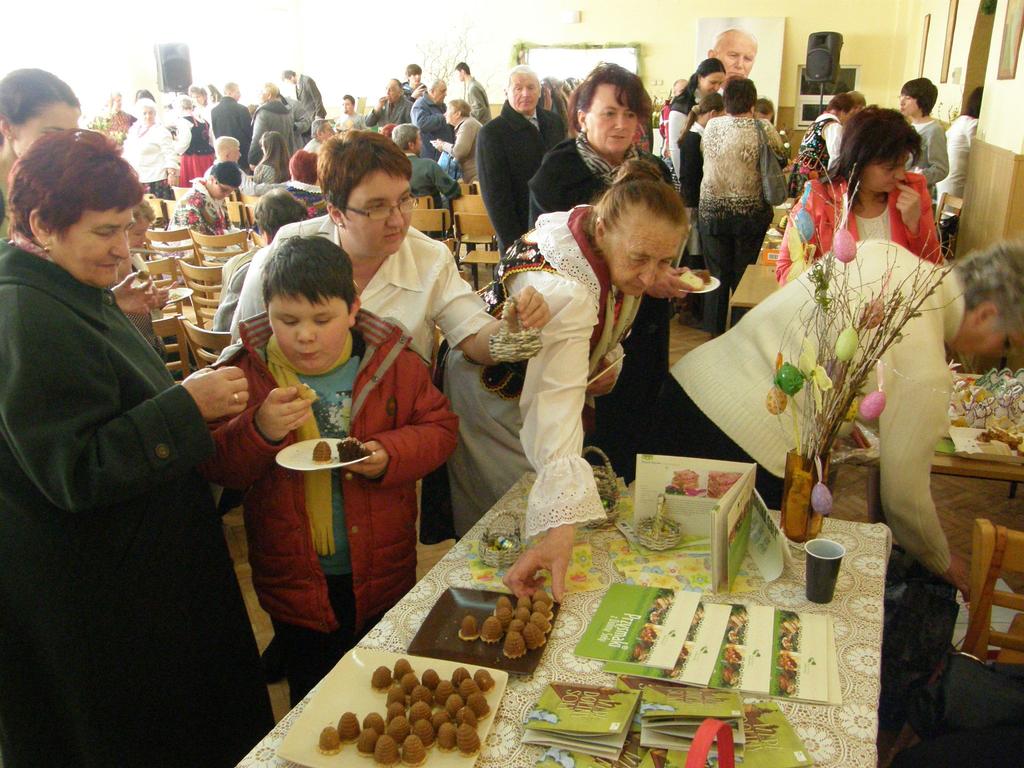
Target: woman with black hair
[[886, 201], [33, 102], [708, 79], [733, 214], [917, 99]]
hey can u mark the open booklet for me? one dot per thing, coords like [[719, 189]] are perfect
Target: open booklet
[[582, 718], [717, 509], [756, 649]]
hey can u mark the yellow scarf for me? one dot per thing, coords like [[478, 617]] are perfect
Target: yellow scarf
[[318, 482]]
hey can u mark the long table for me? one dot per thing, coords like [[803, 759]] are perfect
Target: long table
[[835, 736]]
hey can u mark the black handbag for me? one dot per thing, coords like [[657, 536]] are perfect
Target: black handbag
[[920, 615], [966, 693], [773, 182]]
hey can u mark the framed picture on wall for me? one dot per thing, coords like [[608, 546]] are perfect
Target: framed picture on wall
[[947, 50], [1009, 49], [924, 43]]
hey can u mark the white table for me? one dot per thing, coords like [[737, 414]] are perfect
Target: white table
[[836, 736]]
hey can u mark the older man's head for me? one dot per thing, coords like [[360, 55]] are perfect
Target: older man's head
[[407, 137], [523, 90], [322, 129], [231, 90], [737, 50], [394, 92], [438, 90]]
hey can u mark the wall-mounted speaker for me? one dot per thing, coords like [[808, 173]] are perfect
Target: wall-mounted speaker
[[173, 67], [823, 50]]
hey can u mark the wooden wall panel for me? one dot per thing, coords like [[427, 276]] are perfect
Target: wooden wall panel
[[993, 197]]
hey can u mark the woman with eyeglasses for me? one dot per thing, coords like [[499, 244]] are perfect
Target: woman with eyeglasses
[[399, 272]]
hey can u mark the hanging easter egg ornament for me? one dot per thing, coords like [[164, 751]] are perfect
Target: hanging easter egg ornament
[[789, 379], [844, 246], [846, 344], [804, 225], [776, 401], [873, 404], [796, 252], [821, 496]]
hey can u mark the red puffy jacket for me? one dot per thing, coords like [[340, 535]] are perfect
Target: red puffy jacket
[[393, 402]]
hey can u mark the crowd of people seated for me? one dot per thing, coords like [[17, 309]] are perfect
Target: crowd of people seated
[[107, 525]]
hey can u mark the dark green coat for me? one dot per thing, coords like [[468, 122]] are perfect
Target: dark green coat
[[123, 637]]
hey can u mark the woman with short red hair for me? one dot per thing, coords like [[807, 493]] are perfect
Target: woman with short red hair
[[123, 636], [303, 185]]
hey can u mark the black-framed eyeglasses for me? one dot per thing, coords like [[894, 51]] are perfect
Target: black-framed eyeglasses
[[383, 211]]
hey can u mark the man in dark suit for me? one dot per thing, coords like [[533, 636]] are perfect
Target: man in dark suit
[[308, 96], [229, 118], [508, 152]]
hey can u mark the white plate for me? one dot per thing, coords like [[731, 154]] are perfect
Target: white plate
[[300, 456], [178, 294], [711, 286], [347, 689]]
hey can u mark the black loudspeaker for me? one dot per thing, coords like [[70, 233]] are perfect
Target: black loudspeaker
[[823, 57], [173, 67]]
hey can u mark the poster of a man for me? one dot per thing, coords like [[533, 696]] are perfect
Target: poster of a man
[[736, 49], [748, 46]]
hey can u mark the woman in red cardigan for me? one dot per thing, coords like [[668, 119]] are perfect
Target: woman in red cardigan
[[888, 202]]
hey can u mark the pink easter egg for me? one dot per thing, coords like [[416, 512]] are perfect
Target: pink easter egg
[[844, 246], [872, 405], [821, 499]]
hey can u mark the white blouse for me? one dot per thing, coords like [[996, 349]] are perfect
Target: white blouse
[[150, 151], [554, 390], [417, 287]]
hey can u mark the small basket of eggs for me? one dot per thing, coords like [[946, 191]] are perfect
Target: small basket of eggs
[[500, 544]]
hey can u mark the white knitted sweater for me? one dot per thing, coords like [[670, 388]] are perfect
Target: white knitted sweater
[[728, 378]]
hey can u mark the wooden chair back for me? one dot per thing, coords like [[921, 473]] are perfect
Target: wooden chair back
[[173, 242], [205, 345], [983, 546], [217, 249], [249, 199], [469, 189], [169, 329], [180, 192], [469, 204], [205, 283], [948, 204], [238, 214], [423, 201], [435, 222], [474, 228], [156, 205]]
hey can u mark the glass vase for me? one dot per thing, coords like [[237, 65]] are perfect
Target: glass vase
[[800, 522]]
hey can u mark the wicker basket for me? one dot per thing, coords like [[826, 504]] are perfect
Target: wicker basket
[[500, 543], [665, 537], [607, 486]]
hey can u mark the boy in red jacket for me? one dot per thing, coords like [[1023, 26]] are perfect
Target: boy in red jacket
[[330, 550]]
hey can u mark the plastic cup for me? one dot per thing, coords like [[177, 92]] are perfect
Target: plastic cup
[[823, 559]]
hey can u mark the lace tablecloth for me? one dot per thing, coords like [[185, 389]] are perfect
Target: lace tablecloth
[[836, 736]]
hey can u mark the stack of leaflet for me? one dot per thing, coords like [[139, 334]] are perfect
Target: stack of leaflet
[[582, 718], [671, 714]]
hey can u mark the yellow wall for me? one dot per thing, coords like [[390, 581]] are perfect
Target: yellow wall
[[1000, 123], [354, 47]]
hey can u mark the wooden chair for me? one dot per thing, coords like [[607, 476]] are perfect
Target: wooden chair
[[169, 329], [205, 283], [238, 214], [173, 242], [469, 204], [949, 206], [205, 345], [435, 222], [475, 229], [216, 249], [180, 192], [249, 199], [1010, 642], [423, 201], [156, 205], [164, 273]]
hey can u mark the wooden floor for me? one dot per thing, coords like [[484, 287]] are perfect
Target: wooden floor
[[958, 501]]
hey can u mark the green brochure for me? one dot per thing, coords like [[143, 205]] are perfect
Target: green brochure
[[582, 718]]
